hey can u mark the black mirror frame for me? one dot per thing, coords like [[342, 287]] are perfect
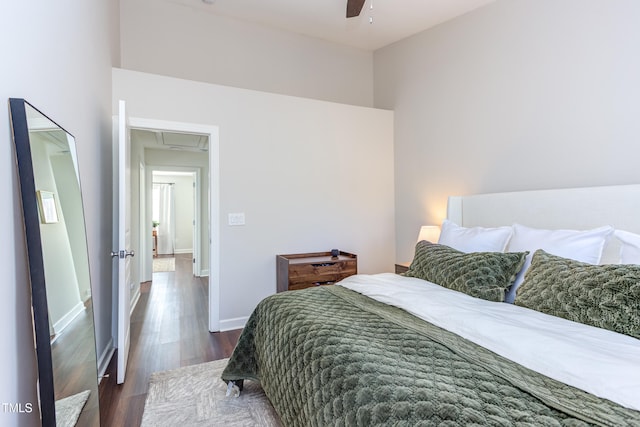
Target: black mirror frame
[[20, 131]]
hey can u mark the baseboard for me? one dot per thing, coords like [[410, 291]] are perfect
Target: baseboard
[[105, 359], [59, 326], [183, 251], [231, 324], [134, 300], [204, 273]]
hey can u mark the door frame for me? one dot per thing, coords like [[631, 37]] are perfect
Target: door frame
[[196, 228], [143, 247], [214, 200]]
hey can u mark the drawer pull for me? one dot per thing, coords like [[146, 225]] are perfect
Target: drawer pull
[[323, 264], [328, 282]]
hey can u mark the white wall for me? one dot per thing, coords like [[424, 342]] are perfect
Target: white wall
[[63, 293], [70, 195], [189, 42], [309, 176], [515, 95], [57, 56]]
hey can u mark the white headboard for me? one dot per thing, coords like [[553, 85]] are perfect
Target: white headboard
[[573, 208]]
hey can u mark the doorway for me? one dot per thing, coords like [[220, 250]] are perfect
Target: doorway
[[176, 227], [191, 151]]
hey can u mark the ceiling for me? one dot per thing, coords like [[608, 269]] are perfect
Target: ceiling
[[393, 20], [163, 140]]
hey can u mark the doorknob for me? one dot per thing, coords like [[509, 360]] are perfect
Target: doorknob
[[122, 254]]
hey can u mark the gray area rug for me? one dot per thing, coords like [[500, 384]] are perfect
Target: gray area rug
[[196, 396], [164, 264], [68, 409]]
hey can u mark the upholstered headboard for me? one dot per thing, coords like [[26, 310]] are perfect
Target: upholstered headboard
[[573, 208]]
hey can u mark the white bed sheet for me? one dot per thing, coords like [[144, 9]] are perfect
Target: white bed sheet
[[601, 362]]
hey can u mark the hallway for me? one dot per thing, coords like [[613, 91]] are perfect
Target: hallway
[[168, 331]]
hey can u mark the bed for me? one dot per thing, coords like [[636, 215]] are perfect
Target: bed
[[439, 346]]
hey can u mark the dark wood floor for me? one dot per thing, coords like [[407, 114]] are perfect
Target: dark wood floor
[[168, 331], [74, 364]]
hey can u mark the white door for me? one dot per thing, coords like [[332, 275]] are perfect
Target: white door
[[122, 230], [195, 230]]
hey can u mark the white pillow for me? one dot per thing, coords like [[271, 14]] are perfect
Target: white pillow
[[585, 246], [630, 248], [474, 239]]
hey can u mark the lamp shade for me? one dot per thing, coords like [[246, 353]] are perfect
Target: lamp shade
[[430, 233]]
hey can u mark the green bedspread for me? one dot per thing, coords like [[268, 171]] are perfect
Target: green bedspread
[[329, 356]]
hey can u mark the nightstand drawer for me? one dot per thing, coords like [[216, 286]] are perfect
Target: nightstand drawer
[[328, 279], [321, 271]]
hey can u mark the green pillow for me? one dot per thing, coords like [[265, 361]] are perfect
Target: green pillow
[[485, 275], [606, 296]]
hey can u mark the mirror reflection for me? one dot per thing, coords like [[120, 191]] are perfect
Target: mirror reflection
[[66, 271]]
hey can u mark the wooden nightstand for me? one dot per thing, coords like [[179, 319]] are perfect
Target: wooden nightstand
[[402, 267], [299, 271]]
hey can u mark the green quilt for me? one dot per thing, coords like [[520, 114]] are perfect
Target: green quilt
[[328, 356]]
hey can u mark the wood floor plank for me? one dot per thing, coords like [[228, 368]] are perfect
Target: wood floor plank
[[168, 331]]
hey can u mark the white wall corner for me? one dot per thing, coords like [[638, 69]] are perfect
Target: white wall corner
[[66, 320]]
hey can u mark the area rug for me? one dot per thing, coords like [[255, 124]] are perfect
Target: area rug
[[196, 396], [68, 409], [164, 264]]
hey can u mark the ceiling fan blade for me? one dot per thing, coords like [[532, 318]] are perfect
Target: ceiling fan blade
[[354, 7]]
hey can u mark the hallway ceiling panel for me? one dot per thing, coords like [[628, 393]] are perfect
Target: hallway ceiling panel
[[162, 140]]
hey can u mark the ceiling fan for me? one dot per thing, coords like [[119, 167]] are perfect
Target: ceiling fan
[[354, 7]]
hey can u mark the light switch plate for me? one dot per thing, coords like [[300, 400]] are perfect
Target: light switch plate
[[236, 218]]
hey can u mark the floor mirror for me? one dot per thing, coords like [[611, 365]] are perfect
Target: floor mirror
[[56, 241]]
